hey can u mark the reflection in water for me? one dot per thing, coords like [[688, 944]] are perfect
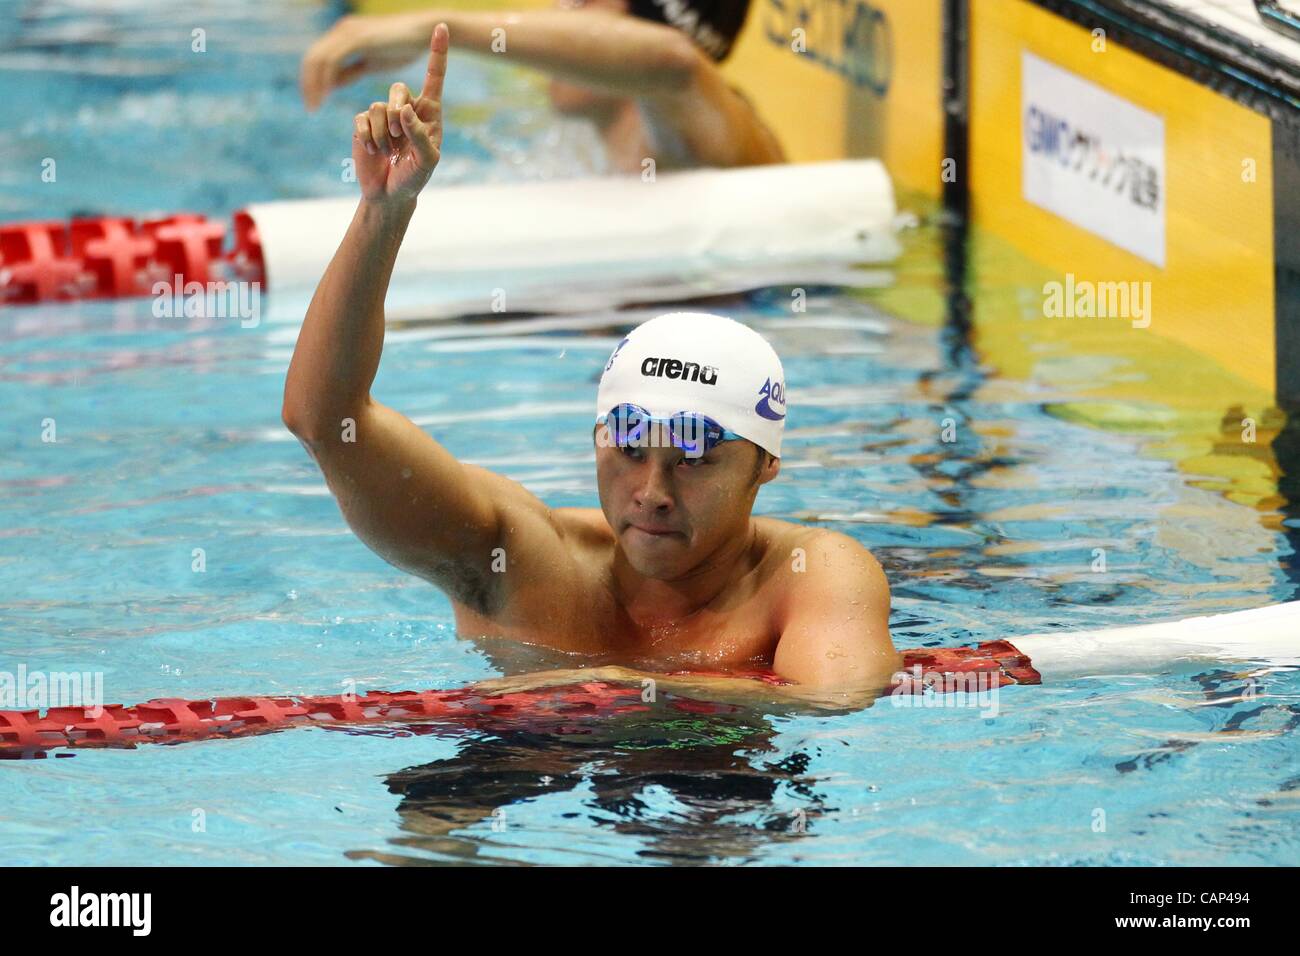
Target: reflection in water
[[1286, 448], [692, 789]]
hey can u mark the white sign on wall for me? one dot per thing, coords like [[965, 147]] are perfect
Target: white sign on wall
[[1093, 158]]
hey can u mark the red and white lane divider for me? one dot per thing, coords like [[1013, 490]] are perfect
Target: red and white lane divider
[[1269, 636], [530, 237], [1266, 635], [109, 257], [559, 709]]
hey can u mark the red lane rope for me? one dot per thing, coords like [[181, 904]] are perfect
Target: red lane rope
[[555, 709], [101, 257]]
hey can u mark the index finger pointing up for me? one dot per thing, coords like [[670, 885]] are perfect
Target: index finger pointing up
[[437, 69]]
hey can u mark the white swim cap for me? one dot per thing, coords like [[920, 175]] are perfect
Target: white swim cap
[[701, 363]]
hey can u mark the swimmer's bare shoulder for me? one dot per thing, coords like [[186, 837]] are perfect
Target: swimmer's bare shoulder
[[832, 613]]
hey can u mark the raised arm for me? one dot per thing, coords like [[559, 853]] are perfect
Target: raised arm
[[606, 51], [402, 493]]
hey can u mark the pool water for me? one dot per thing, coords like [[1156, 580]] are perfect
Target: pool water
[[169, 441]]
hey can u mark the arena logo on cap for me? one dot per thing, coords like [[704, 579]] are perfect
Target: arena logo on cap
[[771, 392], [675, 368]]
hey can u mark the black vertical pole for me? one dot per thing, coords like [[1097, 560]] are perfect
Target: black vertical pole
[[956, 106], [955, 170], [1286, 327]]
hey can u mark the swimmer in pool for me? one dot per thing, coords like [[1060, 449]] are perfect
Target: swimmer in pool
[[652, 89], [672, 572]]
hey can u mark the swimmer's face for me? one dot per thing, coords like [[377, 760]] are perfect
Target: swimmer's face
[[669, 511]]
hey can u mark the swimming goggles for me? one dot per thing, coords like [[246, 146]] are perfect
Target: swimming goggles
[[697, 435]]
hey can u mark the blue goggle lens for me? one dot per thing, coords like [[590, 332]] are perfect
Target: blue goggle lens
[[693, 433]]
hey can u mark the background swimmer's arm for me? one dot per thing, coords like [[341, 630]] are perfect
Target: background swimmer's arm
[[627, 56], [606, 51], [617, 54], [835, 632], [602, 51], [402, 493]]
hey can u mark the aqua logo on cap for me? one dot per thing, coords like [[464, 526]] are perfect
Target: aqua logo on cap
[[702, 363], [771, 401]]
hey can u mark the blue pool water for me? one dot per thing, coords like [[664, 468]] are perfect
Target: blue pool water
[[169, 441]]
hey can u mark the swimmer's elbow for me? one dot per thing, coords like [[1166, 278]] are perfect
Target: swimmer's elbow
[[307, 427], [679, 64], [310, 417], [294, 417]]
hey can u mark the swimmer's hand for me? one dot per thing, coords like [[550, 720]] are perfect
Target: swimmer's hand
[[358, 45], [396, 145]]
